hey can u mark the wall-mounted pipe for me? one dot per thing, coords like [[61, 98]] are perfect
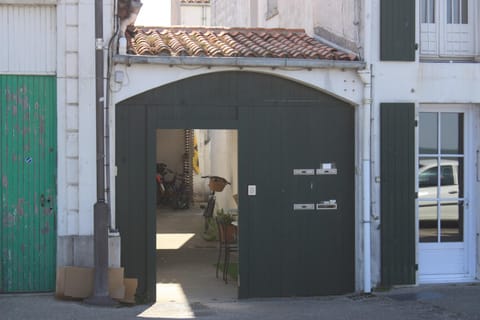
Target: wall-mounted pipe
[[366, 77], [100, 209]]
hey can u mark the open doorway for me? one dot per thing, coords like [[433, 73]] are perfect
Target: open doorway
[[187, 236]]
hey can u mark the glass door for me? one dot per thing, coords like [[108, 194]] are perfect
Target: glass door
[[442, 201]]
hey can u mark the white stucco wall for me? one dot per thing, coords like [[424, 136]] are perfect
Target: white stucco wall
[[76, 182], [341, 83], [339, 17], [438, 83], [334, 20], [76, 114]]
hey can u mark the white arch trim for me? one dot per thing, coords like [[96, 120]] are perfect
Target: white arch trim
[[344, 84]]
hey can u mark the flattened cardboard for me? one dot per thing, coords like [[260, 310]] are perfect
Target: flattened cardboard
[[130, 290], [116, 288], [78, 282]]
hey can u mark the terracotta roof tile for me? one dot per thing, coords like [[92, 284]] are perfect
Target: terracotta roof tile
[[229, 42]]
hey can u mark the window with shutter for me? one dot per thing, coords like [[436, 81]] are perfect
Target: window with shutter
[[447, 28]]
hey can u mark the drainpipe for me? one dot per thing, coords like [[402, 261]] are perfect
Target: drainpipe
[[100, 295], [366, 77]]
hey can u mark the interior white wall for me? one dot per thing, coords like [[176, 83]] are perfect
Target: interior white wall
[[224, 163], [171, 148]]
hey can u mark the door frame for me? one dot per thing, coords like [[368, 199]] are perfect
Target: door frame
[[471, 128]]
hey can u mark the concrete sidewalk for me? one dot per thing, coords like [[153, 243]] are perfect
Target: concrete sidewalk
[[425, 302]]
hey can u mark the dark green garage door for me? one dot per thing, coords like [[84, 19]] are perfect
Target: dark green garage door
[[296, 145]]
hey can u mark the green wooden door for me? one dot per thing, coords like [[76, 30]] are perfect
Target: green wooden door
[[28, 188]]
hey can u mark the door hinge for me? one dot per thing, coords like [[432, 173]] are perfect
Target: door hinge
[[416, 266], [415, 123], [416, 195]]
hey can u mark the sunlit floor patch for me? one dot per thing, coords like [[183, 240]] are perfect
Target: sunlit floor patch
[[172, 241], [171, 303]]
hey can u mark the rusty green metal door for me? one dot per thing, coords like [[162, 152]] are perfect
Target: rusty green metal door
[[28, 186]]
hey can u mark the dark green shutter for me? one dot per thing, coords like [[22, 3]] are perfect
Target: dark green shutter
[[397, 30], [397, 169]]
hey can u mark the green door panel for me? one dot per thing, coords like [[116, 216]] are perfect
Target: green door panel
[[397, 196], [397, 30], [28, 188]]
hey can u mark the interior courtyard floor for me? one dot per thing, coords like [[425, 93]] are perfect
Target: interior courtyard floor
[[186, 262]]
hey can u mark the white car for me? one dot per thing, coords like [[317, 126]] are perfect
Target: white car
[[428, 189]]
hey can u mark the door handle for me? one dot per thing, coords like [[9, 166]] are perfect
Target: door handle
[[42, 200], [452, 192]]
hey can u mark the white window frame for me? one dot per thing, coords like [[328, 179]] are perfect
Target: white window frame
[[471, 128], [442, 40]]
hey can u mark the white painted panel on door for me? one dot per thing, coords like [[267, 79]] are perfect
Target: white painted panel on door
[[30, 32]]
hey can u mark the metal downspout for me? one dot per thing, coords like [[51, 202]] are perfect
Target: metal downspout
[[110, 52], [100, 209], [366, 77]]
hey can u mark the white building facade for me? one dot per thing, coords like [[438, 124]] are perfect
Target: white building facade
[[438, 81]]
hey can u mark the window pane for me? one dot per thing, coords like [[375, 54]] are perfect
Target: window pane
[[446, 175], [451, 221], [428, 133], [452, 133], [424, 11], [451, 178], [456, 11], [427, 11], [465, 11], [449, 11], [427, 176], [428, 222]]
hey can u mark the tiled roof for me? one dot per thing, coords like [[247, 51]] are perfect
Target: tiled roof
[[195, 1], [229, 42]]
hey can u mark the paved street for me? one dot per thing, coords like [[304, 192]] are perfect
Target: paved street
[[188, 289], [426, 302]]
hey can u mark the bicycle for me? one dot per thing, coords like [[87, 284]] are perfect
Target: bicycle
[[171, 188], [216, 184]]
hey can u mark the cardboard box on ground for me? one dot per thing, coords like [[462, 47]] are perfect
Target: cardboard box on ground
[[77, 283]]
